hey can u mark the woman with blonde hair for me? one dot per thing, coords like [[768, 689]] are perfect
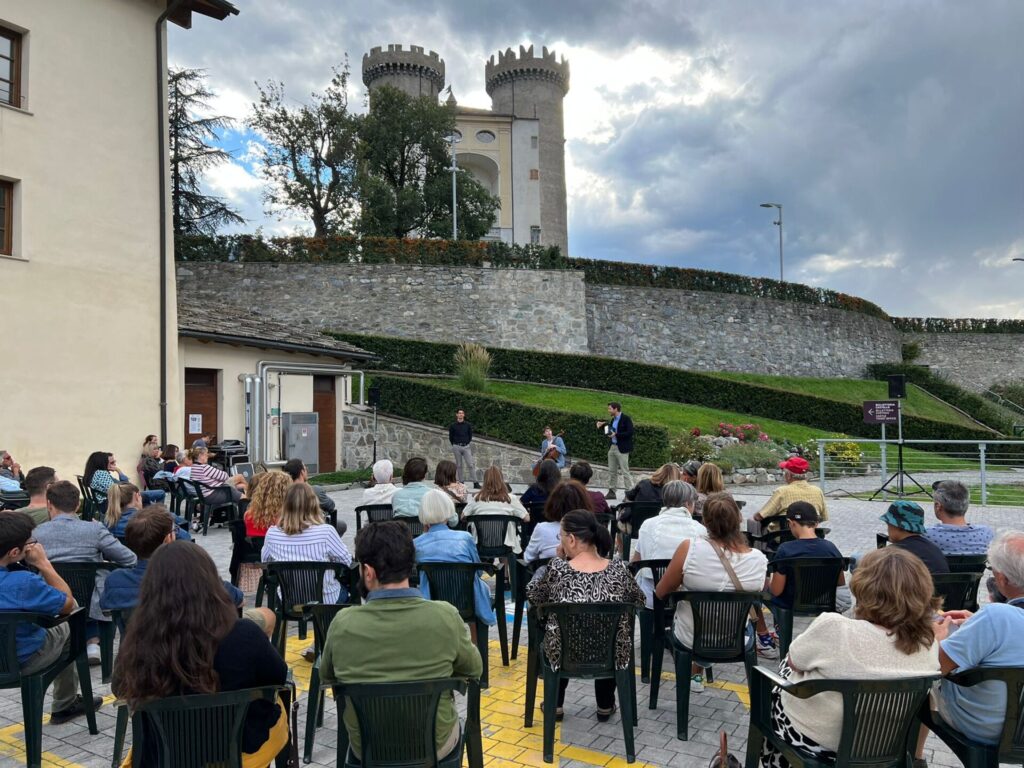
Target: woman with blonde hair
[[123, 501], [267, 492], [891, 635], [709, 480], [647, 490], [493, 498]]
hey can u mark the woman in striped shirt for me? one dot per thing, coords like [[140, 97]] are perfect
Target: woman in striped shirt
[[213, 480]]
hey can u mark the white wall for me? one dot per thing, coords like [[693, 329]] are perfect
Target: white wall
[[526, 191]]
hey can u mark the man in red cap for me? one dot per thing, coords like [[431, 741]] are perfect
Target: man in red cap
[[794, 472]]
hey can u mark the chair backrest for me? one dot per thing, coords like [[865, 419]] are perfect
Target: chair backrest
[[535, 565], [455, 583], [375, 513], [589, 632], [881, 540], [957, 590], [301, 582], [490, 533], [413, 524], [640, 513], [1011, 743], [815, 581], [877, 718], [202, 730], [607, 519], [323, 614], [657, 568], [967, 563], [772, 540], [81, 578], [10, 669], [13, 499], [396, 720], [720, 621], [536, 511]]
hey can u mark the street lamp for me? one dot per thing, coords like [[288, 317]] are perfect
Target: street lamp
[[779, 225], [454, 138]]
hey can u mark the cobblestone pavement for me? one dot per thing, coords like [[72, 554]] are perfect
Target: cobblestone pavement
[[581, 740]]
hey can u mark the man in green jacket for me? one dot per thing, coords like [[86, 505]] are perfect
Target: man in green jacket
[[397, 636]]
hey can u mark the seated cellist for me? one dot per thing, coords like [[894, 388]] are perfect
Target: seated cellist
[[552, 447]]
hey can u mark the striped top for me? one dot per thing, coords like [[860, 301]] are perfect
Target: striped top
[[208, 476], [318, 543]]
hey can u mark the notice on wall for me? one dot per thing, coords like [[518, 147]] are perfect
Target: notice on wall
[[195, 423]]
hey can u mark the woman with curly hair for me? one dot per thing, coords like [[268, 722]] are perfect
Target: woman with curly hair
[[266, 502]]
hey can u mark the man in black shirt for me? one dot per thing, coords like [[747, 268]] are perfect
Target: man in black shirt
[[460, 435], [905, 520]]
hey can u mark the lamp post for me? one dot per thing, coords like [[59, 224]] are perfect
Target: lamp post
[[454, 138], [779, 225]]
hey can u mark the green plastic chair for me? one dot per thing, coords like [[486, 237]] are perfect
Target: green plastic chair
[[879, 719], [523, 573], [291, 586], [650, 635], [193, 731], [397, 724], [816, 580], [88, 507], [209, 510], [375, 513], [322, 616], [640, 513], [958, 591], [13, 499], [491, 531], [33, 687], [969, 564], [588, 632], [81, 577], [972, 754], [770, 541], [721, 635], [534, 635], [455, 583]]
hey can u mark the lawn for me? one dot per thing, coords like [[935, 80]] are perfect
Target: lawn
[[917, 403], [1009, 495]]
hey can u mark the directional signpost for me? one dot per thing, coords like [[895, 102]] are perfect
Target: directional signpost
[[889, 412], [882, 412]]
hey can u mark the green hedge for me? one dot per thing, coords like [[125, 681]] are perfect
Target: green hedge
[[974, 405], [957, 325], [380, 250], [661, 382], [514, 422]]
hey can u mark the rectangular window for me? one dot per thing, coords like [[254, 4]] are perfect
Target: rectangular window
[[534, 235], [534, 174], [533, 142], [6, 217], [10, 67]]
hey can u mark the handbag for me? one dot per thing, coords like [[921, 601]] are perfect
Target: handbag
[[737, 585], [723, 759]]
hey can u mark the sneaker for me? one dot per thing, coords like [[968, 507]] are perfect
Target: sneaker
[[604, 715], [697, 684], [610, 494], [76, 709], [559, 714], [767, 646], [92, 650]]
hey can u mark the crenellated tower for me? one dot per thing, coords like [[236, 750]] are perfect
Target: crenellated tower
[[413, 71], [532, 87]]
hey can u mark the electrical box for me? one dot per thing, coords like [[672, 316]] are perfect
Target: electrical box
[[301, 432]]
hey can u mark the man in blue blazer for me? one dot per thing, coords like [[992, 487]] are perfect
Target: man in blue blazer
[[620, 429]]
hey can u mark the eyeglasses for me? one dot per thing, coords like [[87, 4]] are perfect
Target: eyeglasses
[[30, 542]]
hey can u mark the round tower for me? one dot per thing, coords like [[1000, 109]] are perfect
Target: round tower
[[412, 71], [527, 86]]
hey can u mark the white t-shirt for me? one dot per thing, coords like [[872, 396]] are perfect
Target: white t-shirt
[[704, 572], [660, 537], [837, 647], [379, 494], [513, 508]]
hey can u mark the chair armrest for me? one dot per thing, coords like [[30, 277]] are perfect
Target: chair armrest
[[47, 622], [975, 675], [487, 568]]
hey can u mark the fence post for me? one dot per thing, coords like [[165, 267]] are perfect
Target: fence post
[[885, 469], [984, 487], [821, 464]]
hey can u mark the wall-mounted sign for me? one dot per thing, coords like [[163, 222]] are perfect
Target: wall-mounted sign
[[195, 423]]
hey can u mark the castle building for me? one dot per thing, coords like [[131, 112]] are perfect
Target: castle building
[[516, 149]]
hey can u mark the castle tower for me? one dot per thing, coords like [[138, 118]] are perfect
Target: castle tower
[[530, 87], [413, 71]]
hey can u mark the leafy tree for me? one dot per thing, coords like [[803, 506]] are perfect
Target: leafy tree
[[404, 171], [191, 153], [309, 154]]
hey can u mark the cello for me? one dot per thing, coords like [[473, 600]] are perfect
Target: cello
[[551, 453]]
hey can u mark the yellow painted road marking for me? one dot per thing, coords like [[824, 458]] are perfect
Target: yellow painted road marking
[[11, 746]]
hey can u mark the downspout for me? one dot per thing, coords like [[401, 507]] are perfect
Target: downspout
[[161, 109]]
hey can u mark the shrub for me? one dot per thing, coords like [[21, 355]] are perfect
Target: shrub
[[472, 362], [910, 351], [726, 466], [847, 455], [746, 455], [957, 325], [745, 433], [686, 446]]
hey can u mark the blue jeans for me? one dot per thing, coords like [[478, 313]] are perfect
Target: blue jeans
[[152, 497]]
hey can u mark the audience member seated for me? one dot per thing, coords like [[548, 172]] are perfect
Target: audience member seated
[[954, 535], [303, 535], [708, 564], [582, 472], [101, 472], [45, 592], [396, 635], [440, 544], [660, 536], [124, 502], [803, 520], [905, 523], [993, 637], [446, 478], [266, 502], [709, 480], [548, 476], [175, 646], [772, 515], [36, 482], [688, 472], [295, 469], [149, 463], [9, 484], [406, 500], [144, 533], [68, 538], [649, 491], [581, 573], [890, 636], [10, 470], [217, 486], [547, 536], [383, 488], [493, 498], [169, 457]]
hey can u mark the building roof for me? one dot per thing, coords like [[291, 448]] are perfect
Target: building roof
[[215, 9], [228, 324]]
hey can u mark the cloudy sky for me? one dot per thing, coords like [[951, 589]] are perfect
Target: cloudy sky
[[892, 132]]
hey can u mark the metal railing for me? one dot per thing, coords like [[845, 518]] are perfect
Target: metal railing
[[993, 470]]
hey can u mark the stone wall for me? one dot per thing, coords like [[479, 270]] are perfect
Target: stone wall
[[401, 439], [729, 332], [972, 360], [535, 309]]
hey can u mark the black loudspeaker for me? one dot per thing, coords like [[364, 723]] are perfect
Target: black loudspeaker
[[374, 395], [897, 385]]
